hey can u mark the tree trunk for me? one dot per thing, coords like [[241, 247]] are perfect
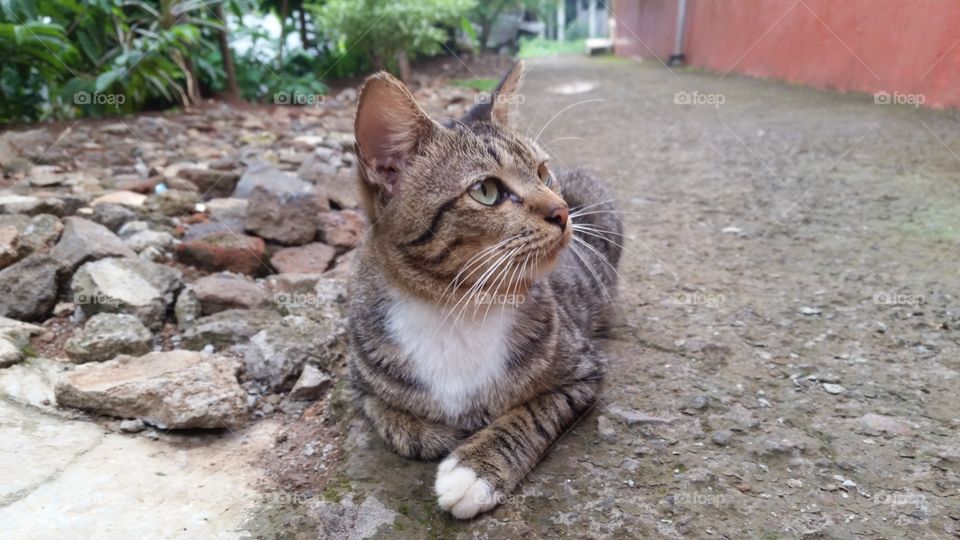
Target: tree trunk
[[193, 82], [284, 11], [485, 27], [232, 89], [303, 28], [403, 64]]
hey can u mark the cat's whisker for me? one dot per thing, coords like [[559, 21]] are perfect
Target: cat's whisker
[[599, 255], [485, 290], [582, 207], [593, 272], [477, 262], [558, 139], [563, 110], [598, 230], [601, 236], [495, 288], [477, 284], [510, 285], [593, 212], [535, 116]]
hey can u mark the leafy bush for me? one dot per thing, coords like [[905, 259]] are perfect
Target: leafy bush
[[382, 29]]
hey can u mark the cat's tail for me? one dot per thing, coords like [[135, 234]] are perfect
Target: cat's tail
[[595, 222]]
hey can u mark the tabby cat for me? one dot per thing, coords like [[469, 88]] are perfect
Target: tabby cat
[[475, 295]]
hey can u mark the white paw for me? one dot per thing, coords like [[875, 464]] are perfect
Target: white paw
[[461, 492]]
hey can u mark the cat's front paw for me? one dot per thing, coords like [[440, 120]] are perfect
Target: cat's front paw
[[461, 492]]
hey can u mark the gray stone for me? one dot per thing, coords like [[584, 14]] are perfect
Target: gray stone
[[10, 250], [107, 335], [149, 239], [314, 258], [275, 356], [187, 308], [83, 240], [133, 286], [342, 189], [112, 216], [324, 302], [173, 202], [18, 332], [211, 182], [311, 385], [135, 425], [227, 328], [169, 390], [341, 229], [877, 424], [41, 232], [28, 288], [289, 218], [219, 292], [265, 175], [14, 337], [20, 204], [227, 208], [721, 437], [10, 354]]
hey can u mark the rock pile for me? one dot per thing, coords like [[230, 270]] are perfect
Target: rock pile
[[186, 268]]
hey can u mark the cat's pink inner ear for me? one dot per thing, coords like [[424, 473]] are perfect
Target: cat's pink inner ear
[[388, 127]]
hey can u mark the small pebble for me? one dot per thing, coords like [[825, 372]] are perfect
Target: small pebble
[[721, 438], [135, 425], [833, 388], [699, 402]]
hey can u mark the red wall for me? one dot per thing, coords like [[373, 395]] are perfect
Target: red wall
[[644, 28], [905, 46]]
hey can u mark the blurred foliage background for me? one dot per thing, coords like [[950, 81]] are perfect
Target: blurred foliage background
[[70, 58]]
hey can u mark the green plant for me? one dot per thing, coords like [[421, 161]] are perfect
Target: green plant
[[481, 84], [534, 47], [389, 31]]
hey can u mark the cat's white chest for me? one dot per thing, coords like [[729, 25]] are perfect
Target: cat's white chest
[[456, 361]]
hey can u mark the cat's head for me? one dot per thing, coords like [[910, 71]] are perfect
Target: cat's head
[[453, 205]]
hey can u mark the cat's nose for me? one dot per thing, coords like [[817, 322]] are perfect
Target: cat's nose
[[558, 215]]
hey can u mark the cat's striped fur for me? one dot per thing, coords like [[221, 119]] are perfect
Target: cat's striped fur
[[489, 386]]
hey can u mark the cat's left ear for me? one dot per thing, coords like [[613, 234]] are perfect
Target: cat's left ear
[[388, 129], [500, 107], [506, 98]]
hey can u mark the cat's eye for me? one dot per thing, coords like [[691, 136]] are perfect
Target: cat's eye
[[487, 192], [545, 175]]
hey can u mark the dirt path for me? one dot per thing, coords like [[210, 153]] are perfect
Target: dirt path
[[787, 361]]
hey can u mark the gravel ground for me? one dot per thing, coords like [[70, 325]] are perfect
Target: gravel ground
[[786, 362]]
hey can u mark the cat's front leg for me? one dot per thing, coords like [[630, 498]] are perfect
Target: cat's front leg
[[409, 435], [482, 471]]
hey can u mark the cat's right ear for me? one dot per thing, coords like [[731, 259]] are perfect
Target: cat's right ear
[[388, 129]]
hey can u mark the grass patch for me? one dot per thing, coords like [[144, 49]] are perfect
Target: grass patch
[[547, 47], [482, 84]]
